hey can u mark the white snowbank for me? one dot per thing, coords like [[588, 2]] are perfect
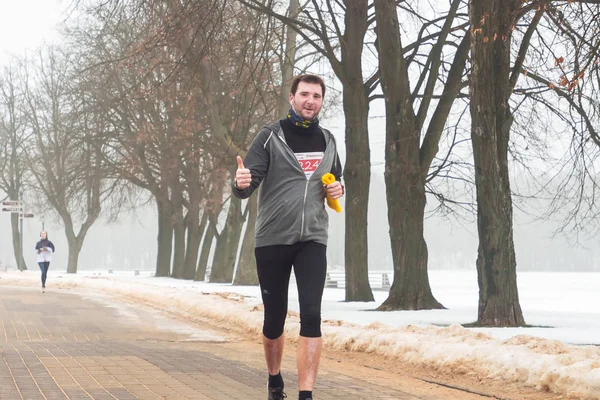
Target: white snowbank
[[545, 364]]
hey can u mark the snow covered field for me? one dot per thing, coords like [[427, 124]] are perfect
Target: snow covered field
[[561, 354]]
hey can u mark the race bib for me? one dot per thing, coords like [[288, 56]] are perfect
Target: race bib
[[309, 162]]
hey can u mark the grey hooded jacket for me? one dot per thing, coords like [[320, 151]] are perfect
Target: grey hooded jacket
[[291, 208]]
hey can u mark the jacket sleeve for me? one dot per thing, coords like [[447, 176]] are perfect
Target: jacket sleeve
[[51, 246], [336, 168], [257, 161]]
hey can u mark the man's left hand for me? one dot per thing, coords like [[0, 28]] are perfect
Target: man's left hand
[[335, 190]]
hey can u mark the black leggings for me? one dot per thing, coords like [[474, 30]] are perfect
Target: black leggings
[[44, 268], [274, 266]]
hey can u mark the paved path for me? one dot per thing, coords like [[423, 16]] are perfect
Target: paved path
[[59, 345]]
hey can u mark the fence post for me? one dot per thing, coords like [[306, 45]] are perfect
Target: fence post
[[385, 281], [329, 283]]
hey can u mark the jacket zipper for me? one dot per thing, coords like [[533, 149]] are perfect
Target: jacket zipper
[[307, 181], [305, 187], [303, 210]]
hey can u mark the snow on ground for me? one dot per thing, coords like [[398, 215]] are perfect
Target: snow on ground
[[560, 355]]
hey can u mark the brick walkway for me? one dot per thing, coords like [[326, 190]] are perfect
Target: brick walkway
[[58, 345]]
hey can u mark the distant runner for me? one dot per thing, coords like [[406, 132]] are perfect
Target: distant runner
[[44, 249]]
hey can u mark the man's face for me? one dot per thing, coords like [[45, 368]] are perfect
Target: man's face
[[308, 100]]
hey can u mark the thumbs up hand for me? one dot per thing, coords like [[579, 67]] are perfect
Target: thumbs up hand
[[243, 177]]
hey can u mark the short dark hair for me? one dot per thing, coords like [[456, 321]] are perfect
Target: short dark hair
[[308, 79]]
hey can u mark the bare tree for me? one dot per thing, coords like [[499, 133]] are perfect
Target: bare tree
[[561, 80], [491, 29], [13, 138], [157, 136], [402, 119], [65, 160], [246, 271], [493, 81], [182, 84], [407, 161], [288, 59], [240, 96]]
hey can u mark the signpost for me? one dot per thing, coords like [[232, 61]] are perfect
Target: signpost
[[11, 206], [16, 206]]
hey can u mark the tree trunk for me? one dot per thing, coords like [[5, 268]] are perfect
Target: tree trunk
[[246, 270], [75, 243], [357, 172], [288, 61], [194, 227], [405, 184], [227, 244], [211, 232], [357, 178], [16, 239], [178, 232], [490, 131], [164, 239], [194, 236], [178, 244], [212, 210]]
